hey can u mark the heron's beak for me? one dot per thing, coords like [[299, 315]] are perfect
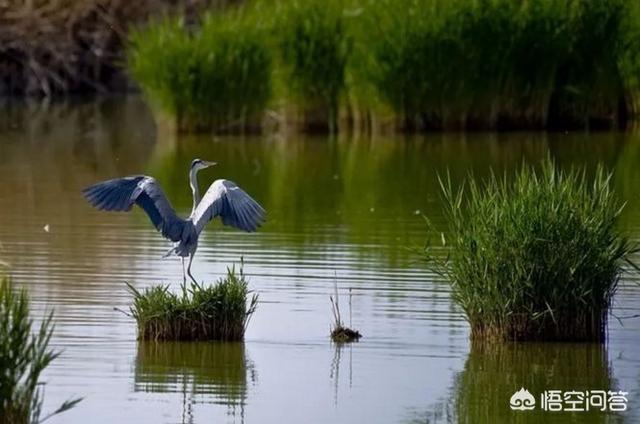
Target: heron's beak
[[208, 164]]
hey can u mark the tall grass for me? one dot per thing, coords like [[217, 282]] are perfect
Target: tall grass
[[499, 63], [23, 357], [538, 258], [314, 45], [590, 87], [428, 64], [217, 79], [216, 312]]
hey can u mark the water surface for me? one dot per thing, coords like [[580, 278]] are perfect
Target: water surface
[[344, 210]]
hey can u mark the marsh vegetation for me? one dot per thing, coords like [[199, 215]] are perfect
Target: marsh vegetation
[[24, 355], [217, 312], [409, 65], [314, 47], [505, 64], [216, 80], [538, 258], [412, 65]]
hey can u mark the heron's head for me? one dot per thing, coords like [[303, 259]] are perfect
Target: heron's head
[[199, 164]]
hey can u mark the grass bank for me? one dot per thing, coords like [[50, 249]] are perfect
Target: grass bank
[[502, 64], [287, 56], [23, 357], [218, 79], [408, 65], [217, 312], [412, 65], [538, 258], [313, 46]]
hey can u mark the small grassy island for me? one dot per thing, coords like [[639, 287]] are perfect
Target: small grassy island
[[538, 258], [216, 312]]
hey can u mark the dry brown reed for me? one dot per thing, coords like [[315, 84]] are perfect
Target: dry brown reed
[[340, 333], [50, 48]]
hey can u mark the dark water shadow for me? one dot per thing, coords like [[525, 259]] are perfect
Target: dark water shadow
[[200, 372], [480, 393]]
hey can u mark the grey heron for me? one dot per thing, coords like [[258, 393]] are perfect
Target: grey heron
[[223, 198]]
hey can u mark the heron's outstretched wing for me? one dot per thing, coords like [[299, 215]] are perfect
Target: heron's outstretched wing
[[232, 204], [120, 195]]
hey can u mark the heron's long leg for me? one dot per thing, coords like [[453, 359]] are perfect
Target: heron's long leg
[[189, 268], [184, 275]]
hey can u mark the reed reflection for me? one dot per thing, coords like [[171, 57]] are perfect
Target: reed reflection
[[336, 364], [494, 372], [364, 190], [202, 372]]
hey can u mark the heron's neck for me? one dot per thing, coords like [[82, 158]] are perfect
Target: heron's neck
[[193, 182]]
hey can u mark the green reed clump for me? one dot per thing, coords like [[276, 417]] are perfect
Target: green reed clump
[[314, 45], [216, 79], [23, 357], [216, 312], [498, 63], [538, 258]]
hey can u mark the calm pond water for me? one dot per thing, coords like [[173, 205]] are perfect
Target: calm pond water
[[344, 210]]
